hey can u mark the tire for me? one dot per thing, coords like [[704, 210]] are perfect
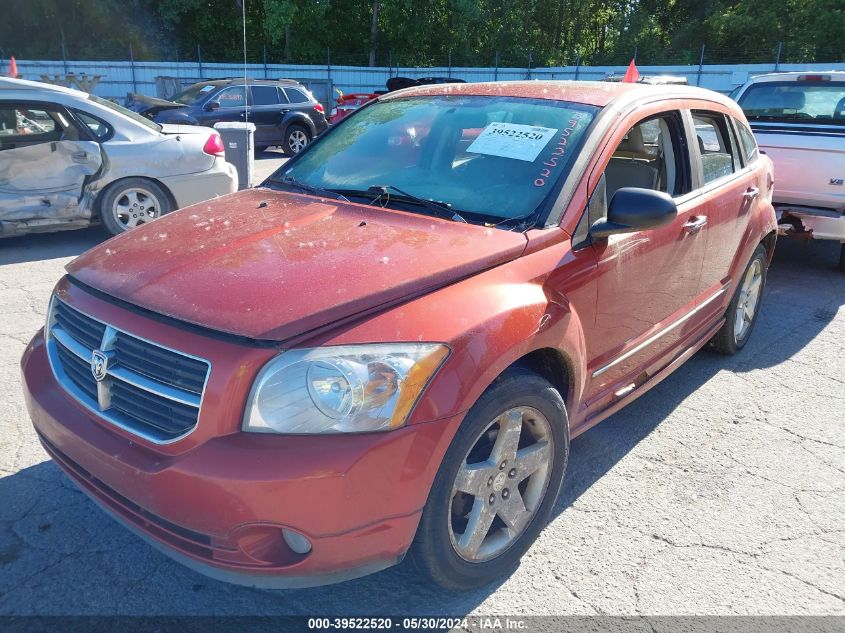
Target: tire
[[297, 138], [842, 258], [733, 336], [442, 549], [131, 202]]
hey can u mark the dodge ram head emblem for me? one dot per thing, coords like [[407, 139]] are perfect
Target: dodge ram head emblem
[[99, 364]]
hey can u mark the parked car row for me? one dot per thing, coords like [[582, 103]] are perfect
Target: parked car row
[[385, 350], [69, 159], [284, 112], [798, 118]]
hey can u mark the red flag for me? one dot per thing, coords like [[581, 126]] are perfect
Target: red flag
[[13, 68], [632, 75]]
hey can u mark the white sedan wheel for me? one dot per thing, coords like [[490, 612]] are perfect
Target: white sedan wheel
[[135, 206]]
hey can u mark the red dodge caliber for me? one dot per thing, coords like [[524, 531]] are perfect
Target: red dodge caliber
[[385, 349]]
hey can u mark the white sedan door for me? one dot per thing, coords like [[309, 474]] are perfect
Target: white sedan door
[[43, 166]]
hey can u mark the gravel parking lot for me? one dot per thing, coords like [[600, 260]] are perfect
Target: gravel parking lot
[[721, 491]]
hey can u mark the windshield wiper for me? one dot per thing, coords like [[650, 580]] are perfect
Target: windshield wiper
[[440, 209], [318, 191]]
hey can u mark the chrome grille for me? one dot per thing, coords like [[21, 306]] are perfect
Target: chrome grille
[[145, 388]]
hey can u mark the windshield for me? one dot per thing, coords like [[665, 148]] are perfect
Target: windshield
[[813, 102], [111, 105], [489, 159], [193, 94]]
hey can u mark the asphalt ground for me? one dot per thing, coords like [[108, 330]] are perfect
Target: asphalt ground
[[721, 491]]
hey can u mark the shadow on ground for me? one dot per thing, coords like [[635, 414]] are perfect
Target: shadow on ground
[[43, 246], [54, 542]]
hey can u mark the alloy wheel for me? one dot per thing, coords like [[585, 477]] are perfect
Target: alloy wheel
[[135, 206], [297, 141], [749, 297], [500, 484]]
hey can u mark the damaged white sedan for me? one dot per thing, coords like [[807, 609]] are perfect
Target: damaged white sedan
[[69, 159]]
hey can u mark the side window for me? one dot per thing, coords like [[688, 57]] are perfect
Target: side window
[[232, 97], [283, 98], [264, 95], [652, 155], [718, 158], [749, 143], [21, 120], [100, 129], [22, 125], [296, 96]]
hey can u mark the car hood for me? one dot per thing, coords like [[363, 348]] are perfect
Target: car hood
[[149, 105], [272, 265]]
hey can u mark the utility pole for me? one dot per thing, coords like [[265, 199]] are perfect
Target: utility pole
[[374, 33]]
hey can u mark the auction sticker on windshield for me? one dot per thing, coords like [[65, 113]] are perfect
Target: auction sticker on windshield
[[510, 140]]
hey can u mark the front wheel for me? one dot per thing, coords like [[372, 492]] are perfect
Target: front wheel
[[497, 484], [744, 307], [132, 202]]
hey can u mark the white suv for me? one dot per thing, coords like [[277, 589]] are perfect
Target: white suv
[[799, 121]]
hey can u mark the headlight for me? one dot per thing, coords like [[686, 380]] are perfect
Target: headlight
[[345, 389]]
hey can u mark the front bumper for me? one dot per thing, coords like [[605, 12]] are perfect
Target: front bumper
[[220, 507]]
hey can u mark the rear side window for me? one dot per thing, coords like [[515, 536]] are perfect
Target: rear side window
[[749, 143], [718, 157], [98, 128], [264, 95], [296, 96]]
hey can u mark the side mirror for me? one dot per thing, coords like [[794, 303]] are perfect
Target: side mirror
[[632, 209], [211, 106]]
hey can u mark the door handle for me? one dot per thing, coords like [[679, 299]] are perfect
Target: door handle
[[695, 224], [751, 193]]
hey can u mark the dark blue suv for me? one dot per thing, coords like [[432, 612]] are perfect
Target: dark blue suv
[[285, 114]]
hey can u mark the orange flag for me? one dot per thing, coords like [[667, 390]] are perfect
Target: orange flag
[[632, 75], [13, 68]]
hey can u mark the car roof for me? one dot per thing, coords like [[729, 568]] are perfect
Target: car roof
[[595, 93], [9, 83], [796, 75], [240, 80]]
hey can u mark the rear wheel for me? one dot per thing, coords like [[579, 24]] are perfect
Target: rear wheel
[[132, 202], [744, 307], [296, 139], [497, 485]]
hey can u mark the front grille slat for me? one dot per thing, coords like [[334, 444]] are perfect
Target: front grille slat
[[159, 364], [78, 372], [85, 330], [150, 390]]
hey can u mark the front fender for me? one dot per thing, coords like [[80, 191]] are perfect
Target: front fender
[[501, 339], [490, 321]]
